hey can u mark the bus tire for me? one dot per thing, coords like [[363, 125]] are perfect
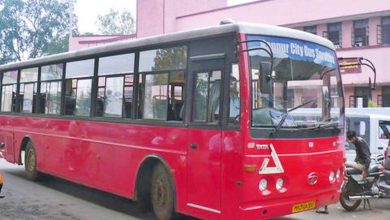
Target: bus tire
[[30, 160], [162, 193]]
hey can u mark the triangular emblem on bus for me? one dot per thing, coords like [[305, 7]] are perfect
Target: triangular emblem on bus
[[278, 168]]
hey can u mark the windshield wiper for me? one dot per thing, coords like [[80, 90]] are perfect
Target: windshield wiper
[[285, 114]]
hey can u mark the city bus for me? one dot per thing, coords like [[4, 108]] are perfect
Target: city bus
[[199, 122]]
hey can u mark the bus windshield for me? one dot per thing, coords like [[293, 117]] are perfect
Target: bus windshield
[[302, 89]]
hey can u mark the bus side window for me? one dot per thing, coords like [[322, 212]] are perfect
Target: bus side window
[[51, 89], [79, 87], [28, 90], [234, 93], [110, 96], [161, 89], [115, 86], [207, 96]]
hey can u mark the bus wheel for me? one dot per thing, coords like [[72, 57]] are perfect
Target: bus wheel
[[30, 161], [162, 194]]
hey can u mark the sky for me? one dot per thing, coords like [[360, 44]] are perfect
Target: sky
[[87, 15]]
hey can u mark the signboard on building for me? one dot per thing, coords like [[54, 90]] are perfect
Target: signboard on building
[[350, 65]]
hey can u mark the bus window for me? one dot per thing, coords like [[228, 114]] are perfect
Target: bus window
[[8, 95], [78, 87], [115, 86], [155, 103], [161, 93], [51, 85], [28, 90], [234, 107], [206, 96]]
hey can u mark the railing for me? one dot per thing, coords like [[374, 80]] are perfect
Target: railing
[[334, 36], [360, 37], [383, 34]]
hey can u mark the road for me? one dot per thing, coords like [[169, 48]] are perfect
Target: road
[[62, 200]]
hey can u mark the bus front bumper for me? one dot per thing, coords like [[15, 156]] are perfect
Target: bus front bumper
[[271, 209]]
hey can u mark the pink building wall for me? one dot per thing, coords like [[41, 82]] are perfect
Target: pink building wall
[[160, 16], [379, 56], [285, 12], [347, 27], [373, 24]]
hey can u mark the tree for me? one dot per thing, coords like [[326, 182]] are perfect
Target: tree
[[33, 28], [116, 22]]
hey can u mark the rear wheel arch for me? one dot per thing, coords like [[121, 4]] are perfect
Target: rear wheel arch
[[23, 146], [144, 180]]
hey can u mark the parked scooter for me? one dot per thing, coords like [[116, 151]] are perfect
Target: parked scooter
[[355, 189]]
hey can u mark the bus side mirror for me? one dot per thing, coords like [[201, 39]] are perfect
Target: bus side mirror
[[266, 81]]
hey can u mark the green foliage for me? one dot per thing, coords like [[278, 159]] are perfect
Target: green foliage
[[171, 58], [116, 22], [32, 28], [371, 104]]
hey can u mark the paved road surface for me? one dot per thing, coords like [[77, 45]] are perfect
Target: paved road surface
[[61, 200]]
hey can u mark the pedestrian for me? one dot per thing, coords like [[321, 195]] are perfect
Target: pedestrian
[[1, 185]]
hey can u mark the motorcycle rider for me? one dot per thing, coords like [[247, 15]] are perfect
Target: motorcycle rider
[[363, 154]]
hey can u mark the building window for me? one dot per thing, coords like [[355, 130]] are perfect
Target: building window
[[351, 101], [360, 33], [386, 96], [334, 34], [384, 31], [379, 100], [362, 95], [310, 29]]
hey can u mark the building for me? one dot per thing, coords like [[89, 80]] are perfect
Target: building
[[358, 28]]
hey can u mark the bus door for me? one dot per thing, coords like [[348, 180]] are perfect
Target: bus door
[[205, 135]]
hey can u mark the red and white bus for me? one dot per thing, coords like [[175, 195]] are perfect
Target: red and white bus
[[206, 122]]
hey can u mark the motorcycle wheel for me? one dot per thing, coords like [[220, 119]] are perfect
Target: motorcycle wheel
[[347, 204]]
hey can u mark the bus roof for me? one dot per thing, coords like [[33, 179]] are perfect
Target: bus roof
[[245, 28]]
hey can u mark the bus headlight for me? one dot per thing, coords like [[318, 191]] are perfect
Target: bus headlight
[[331, 177], [338, 174], [279, 184], [263, 184]]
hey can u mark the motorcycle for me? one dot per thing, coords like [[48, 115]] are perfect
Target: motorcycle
[[355, 189]]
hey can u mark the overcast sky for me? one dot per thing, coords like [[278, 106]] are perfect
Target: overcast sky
[[87, 15]]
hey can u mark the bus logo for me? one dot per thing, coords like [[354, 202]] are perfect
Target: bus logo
[[278, 168], [312, 178]]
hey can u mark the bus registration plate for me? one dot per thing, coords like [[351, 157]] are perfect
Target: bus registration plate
[[300, 207]]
